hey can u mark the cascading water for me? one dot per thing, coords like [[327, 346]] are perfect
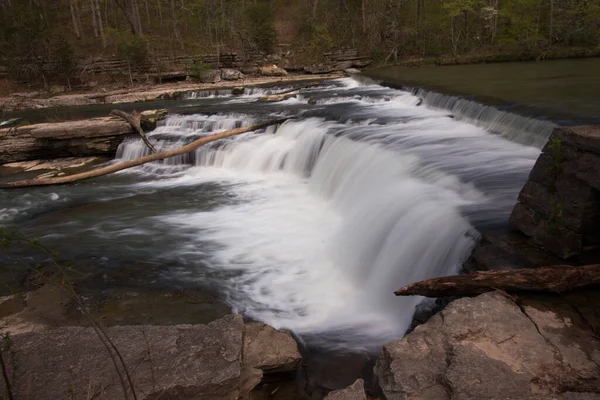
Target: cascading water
[[364, 192], [525, 130], [310, 225]]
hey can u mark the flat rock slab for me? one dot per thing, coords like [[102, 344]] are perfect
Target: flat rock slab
[[356, 391], [92, 137], [490, 347], [165, 362]]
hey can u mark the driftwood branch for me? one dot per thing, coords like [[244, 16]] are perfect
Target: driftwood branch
[[558, 278], [135, 120], [138, 161], [286, 94]]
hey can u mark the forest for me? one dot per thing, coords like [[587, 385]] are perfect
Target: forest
[[62, 33]]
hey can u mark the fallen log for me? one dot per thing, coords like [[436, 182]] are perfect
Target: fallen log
[[135, 120], [138, 161], [272, 98], [557, 278], [286, 94]]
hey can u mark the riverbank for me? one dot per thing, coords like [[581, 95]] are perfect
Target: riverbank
[[144, 93], [483, 347], [496, 57]]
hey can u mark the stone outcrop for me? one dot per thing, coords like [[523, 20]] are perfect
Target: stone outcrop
[[92, 137], [495, 347], [272, 70], [82, 138], [356, 391], [559, 206], [221, 360], [210, 76], [230, 74], [270, 350]]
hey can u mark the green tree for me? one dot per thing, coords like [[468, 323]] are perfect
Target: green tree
[[261, 26]]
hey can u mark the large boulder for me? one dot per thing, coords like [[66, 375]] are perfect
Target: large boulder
[[230, 74], [270, 350], [559, 206], [210, 76], [272, 70], [356, 391], [490, 347], [221, 360]]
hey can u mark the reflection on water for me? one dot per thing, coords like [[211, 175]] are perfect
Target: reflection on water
[[564, 90]]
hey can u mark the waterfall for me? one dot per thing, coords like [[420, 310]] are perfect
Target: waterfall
[[525, 130], [330, 215]]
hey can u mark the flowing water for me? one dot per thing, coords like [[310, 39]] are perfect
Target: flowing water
[[309, 225]]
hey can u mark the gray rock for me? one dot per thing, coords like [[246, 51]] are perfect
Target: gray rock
[[586, 138], [352, 71], [230, 74], [250, 69], [270, 350], [210, 76], [272, 70], [166, 362], [343, 65], [488, 347], [319, 69], [95, 136], [356, 391], [559, 206]]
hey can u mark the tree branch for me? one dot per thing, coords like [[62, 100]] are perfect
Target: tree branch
[[138, 161]]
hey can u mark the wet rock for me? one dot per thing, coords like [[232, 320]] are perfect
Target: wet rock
[[356, 391], [150, 119], [230, 74], [559, 206], [490, 347], [221, 360], [270, 350], [210, 76], [272, 70], [237, 91]]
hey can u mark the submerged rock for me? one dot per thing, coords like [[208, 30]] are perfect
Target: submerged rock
[[356, 391], [490, 347], [221, 360]]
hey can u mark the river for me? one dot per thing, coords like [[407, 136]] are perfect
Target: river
[[310, 225]]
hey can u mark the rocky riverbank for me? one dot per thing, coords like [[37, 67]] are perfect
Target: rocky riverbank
[[37, 100]]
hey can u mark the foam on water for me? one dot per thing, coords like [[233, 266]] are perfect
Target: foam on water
[[333, 217], [365, 191]]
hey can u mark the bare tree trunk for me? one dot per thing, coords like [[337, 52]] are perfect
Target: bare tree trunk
[[364, 17], [175, 23], [96, 3], [135, 121], [557, 278], [135, 12], [94, 18], [76, 26], [138, 161], [315, 5], [551, 24]]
